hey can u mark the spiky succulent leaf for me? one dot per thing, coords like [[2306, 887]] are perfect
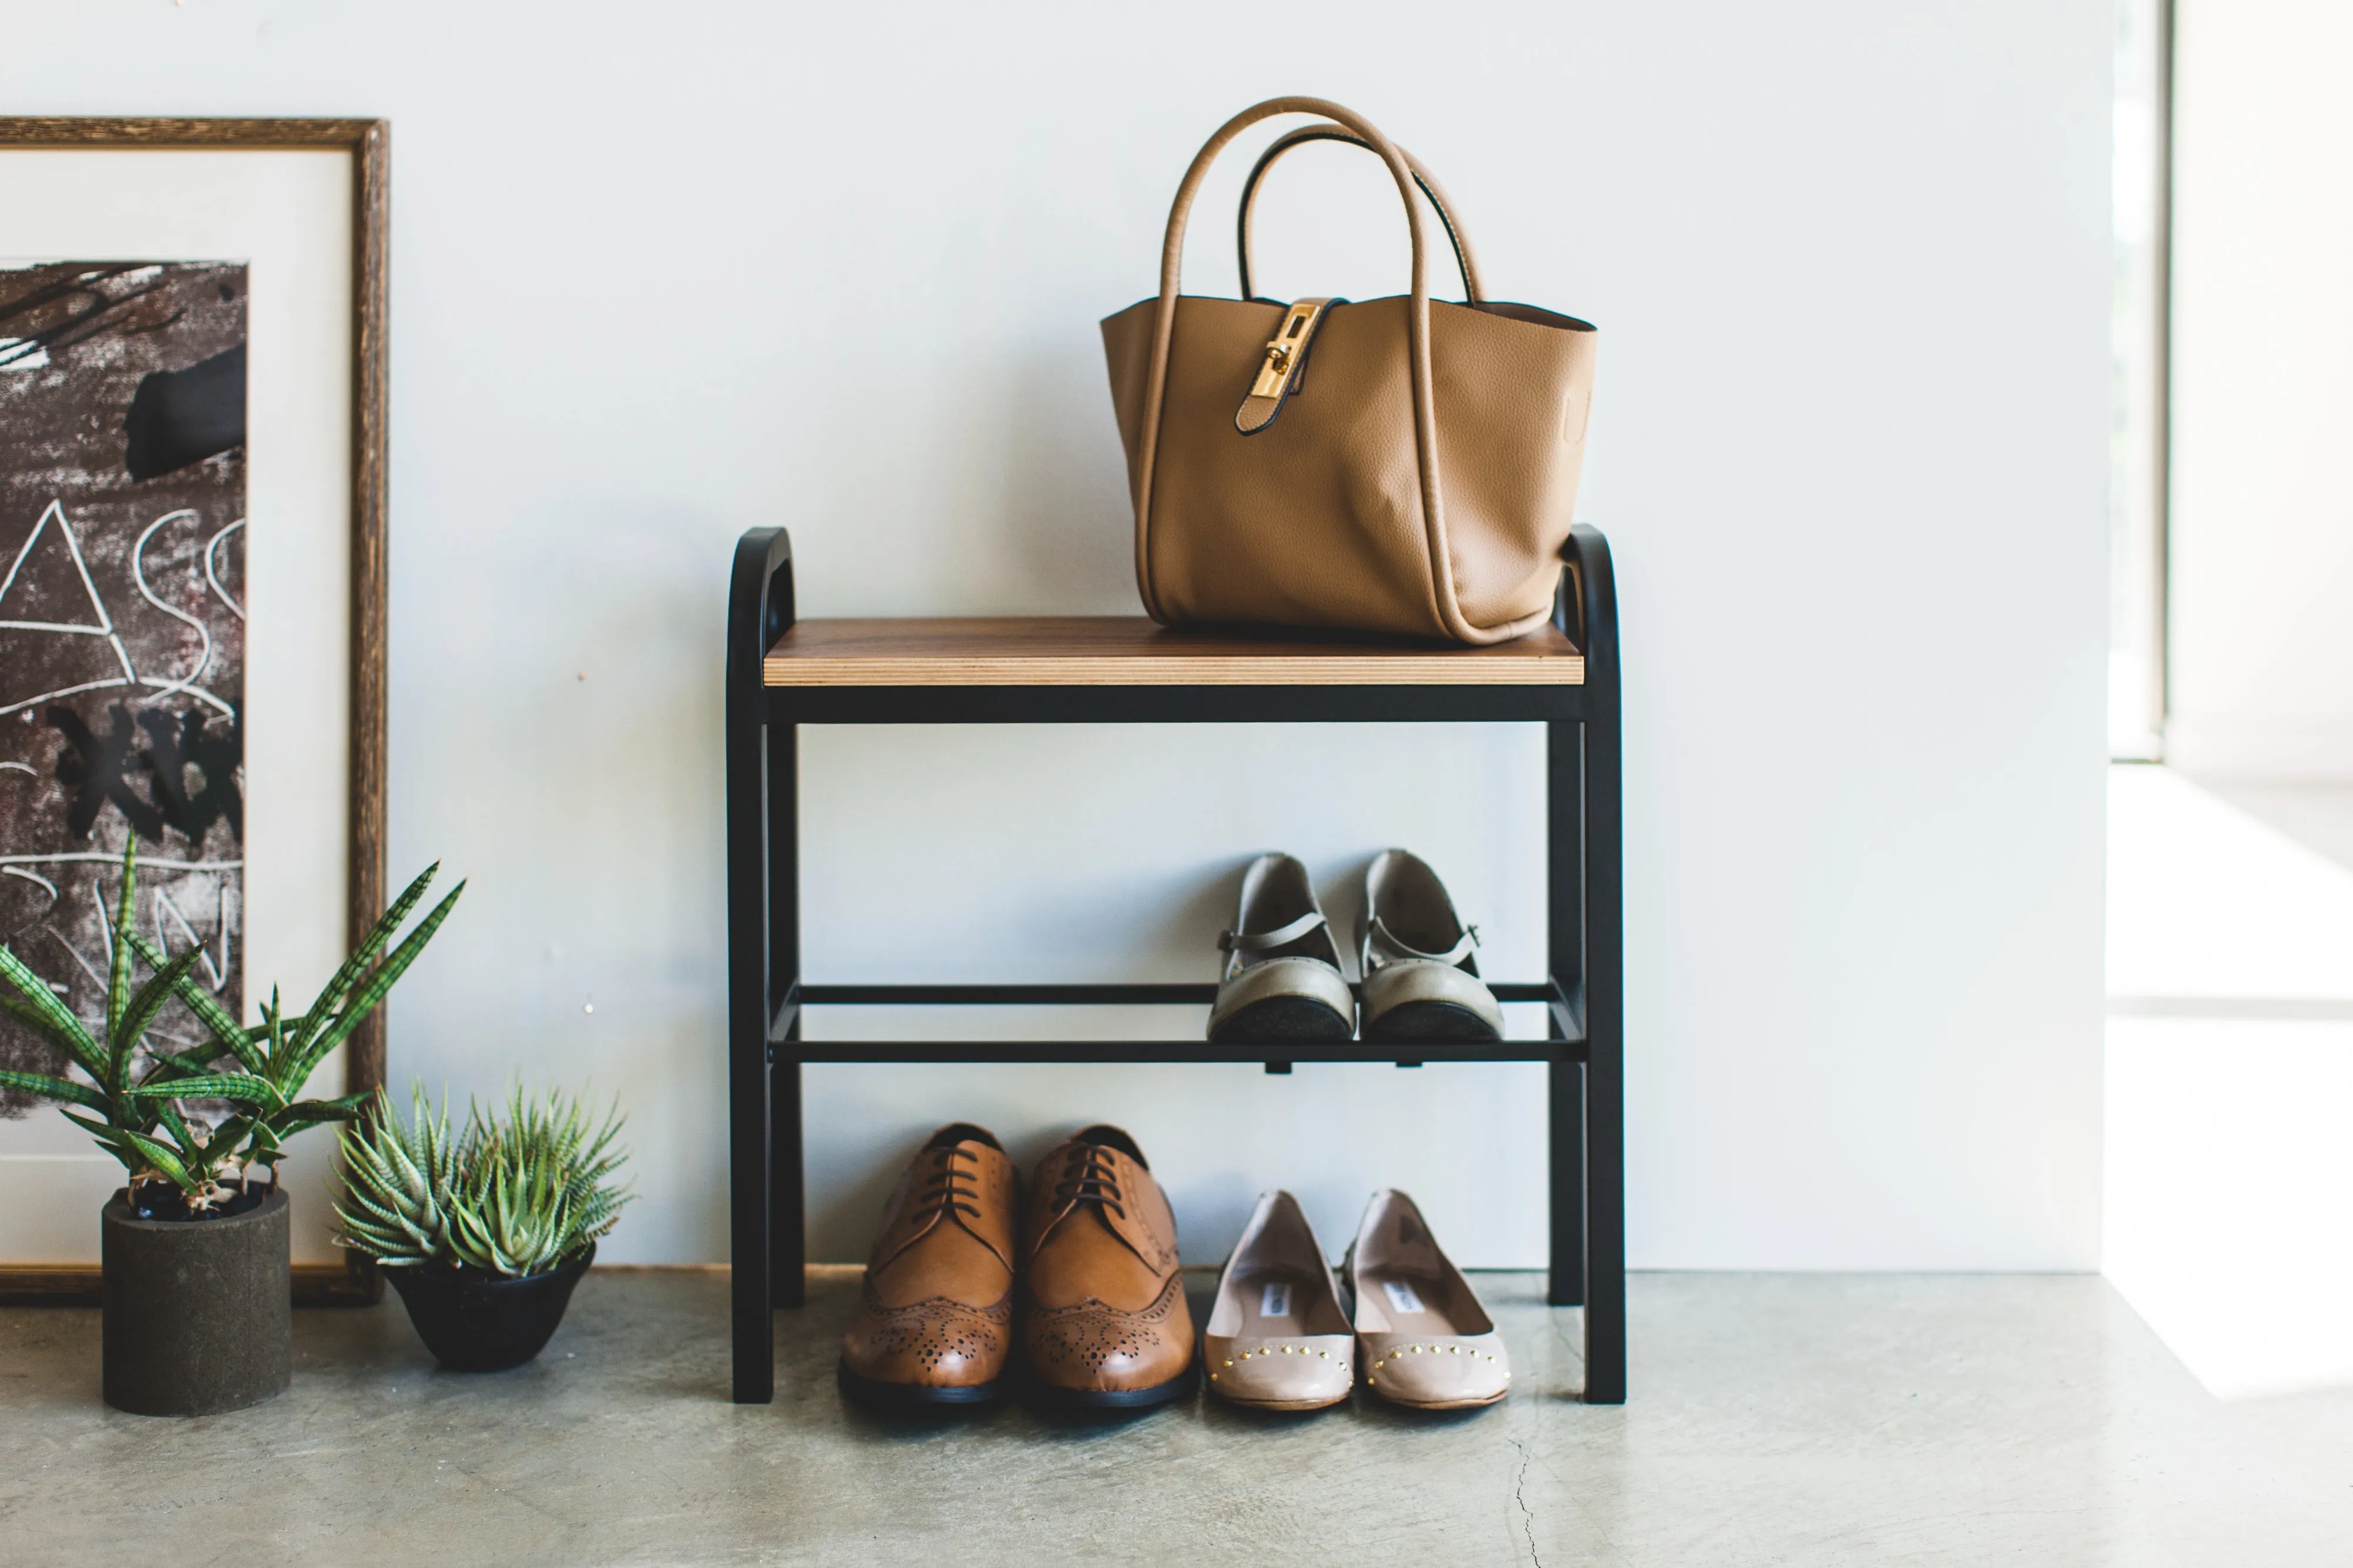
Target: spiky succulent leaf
[[512, 1194]]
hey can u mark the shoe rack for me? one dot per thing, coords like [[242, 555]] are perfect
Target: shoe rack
[[784, 672]]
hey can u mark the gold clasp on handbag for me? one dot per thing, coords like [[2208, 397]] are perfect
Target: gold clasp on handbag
[[1286, 358]]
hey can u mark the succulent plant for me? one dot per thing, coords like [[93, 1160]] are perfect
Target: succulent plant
[[512, 1194], [140, 1101], [392, 1177]]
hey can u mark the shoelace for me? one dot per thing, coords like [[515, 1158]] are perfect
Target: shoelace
[[1091, 1177], [943, 1194]]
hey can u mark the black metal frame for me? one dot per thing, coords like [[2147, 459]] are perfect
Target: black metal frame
[[765, 991]]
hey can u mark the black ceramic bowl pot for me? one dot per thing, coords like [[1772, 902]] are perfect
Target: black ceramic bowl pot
[[474, 1321], [198, 1314]]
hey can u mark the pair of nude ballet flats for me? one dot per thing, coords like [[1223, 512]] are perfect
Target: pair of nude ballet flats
[[1287, 1333]]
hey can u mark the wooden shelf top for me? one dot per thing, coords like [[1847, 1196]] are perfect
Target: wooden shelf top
[[1129, 650]]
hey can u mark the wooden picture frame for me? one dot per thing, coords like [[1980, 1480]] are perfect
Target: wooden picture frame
[[366, 143]]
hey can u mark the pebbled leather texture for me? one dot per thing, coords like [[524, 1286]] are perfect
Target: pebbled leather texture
[[1103, 1306], [1423, 484], [936, 1311]]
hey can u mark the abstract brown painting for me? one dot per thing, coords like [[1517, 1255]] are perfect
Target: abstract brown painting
[[122, 478]]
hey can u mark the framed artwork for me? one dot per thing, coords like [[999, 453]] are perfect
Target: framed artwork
[[191, 600]]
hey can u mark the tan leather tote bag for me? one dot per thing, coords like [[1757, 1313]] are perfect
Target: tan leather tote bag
[[1401, 464]]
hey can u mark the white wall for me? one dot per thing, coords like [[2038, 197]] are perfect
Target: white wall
[[662, 273], [2261, 634]]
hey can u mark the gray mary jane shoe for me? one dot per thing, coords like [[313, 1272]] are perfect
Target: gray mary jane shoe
[[1281, 978], [1421, 982]]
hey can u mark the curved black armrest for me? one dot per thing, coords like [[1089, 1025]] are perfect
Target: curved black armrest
[[759, 599], [1586, 610]]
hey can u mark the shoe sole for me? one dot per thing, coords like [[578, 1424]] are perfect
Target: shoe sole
[[1285, 1018], [878, 1395], [1495, 1398], [1284, 1404], [1115, 1398], [1430, 1021]]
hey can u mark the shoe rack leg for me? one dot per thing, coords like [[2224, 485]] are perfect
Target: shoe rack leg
[[1565, 957], [786, 1202], [1605, 997], [747, 1052], [760, 607]]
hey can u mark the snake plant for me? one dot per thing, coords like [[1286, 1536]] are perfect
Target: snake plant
[[509, 1194], [142, 1102]]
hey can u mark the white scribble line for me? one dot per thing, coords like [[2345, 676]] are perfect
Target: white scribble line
[[65, 691], [222, 594], [223, 919], [27, 548], [139, 579], [105, 926], [163, 903], [103, 858], [33, 876], [54, 626], [105, 628], [73, 547], [20, 767], [76, 953], [198, 692]]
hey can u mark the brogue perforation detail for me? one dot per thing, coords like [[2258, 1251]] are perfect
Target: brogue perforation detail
[[930, 1332], [1089, 1335]]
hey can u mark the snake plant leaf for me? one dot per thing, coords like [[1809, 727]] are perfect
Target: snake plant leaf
[[110, 1137], [238, 1087], [378, 985], [50, 1088], [118, 976], [176, 1124], [273, 1026], [233, 1036], [365, 955], [311, 1112], [163, 1161], [154, 993], [41, 1012], [189, 1063]]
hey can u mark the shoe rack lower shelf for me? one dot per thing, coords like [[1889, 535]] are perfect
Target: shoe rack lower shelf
[[1276, 1054], [783, 673]]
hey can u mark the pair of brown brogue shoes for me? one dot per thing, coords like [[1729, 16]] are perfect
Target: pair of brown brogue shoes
[[1091, 1258]]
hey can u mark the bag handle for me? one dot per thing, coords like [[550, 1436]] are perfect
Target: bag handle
[[1465, 261], [1443, 607]]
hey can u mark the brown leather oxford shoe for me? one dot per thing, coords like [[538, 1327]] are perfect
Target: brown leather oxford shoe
[[1104, 1320], [934, 1321]]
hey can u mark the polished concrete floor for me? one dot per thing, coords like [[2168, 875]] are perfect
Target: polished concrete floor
[[1776, 1419]]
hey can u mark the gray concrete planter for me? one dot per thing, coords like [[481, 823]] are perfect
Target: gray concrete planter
[[199, 1314]]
